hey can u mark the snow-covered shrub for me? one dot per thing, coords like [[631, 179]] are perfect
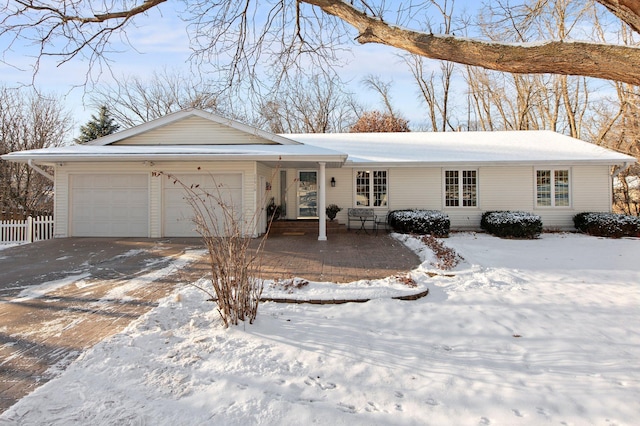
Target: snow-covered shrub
[[607, 224], [420, 222], [511, 224]]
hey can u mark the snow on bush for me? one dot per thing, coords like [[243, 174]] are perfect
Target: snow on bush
[[607, 224], [420, 222], [508, 224]]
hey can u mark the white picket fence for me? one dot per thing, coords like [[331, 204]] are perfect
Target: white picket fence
[[26, 231]]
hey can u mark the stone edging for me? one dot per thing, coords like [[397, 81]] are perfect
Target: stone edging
[[415, 296]]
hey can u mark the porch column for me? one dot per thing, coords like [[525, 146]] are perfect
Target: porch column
[[322, 215]]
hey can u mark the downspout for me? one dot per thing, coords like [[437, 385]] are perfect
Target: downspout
[[614, 174], [39, 170], [618, 169]]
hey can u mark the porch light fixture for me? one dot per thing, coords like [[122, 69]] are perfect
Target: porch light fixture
[[333, 182]]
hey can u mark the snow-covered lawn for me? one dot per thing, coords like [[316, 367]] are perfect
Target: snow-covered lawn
[[525, 332]]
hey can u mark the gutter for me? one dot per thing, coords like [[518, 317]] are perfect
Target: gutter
[[39, 170]]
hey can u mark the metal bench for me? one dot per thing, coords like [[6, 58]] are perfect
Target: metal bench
[[361, 215]]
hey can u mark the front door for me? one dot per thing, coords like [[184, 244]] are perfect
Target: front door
[[307, 194]]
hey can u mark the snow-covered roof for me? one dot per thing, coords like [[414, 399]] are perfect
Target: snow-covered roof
[[358, 149], [513, 147], [73, 153]]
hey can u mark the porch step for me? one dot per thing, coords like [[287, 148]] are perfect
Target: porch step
[[304, 227]]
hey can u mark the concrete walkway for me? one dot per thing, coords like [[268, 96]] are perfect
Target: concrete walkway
[[78, 291]]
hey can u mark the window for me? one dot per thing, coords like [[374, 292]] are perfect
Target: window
[[371, 188], [552, 188], [461, 188]]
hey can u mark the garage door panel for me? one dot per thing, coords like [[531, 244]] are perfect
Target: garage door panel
[[178, 213], [110, 205]]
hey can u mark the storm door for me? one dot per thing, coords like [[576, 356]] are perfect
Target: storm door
[[307, 194]]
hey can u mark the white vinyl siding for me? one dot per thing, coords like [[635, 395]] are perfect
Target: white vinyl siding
[[415, 188], [591, 189], [271, 189], [506, 188], [190, 131], [342, 193]]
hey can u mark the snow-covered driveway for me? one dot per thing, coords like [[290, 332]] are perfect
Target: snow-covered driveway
[[60, 297]]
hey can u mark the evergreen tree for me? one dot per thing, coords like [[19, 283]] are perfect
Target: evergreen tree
[[97, 127]]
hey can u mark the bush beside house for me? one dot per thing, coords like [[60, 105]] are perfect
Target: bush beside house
[[421, 222], [508, 224], [607, 224]]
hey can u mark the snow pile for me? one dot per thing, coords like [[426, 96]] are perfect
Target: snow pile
[[523, 332]]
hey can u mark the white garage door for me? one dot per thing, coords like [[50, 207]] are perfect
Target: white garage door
[[109, 205], [224, 189]]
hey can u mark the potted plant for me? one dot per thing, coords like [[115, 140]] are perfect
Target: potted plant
[[332, 210], [273, 211]]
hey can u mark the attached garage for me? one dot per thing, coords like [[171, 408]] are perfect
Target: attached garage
[[109, 205], [225, 191]]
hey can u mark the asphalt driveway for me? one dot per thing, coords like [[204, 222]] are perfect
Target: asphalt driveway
[[60, 297]]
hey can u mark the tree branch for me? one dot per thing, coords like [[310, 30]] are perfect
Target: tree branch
[[607, 61], [96, 18], [627, 10]]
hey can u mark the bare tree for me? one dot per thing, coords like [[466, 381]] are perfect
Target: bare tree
[[435, 91], [435, 87], [236, 281], [135, 100], [383, 89], [244, 31], [317, 104], [509, 101], [28, 121]]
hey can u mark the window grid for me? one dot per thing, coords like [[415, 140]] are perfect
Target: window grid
[[371, 188], [469, 188], [562, 188], [461, 188], [362, 189], [380, 188], [451, 188], [543, 188], [552, 188]]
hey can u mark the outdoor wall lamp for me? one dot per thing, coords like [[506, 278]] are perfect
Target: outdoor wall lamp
[[333, 182]]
